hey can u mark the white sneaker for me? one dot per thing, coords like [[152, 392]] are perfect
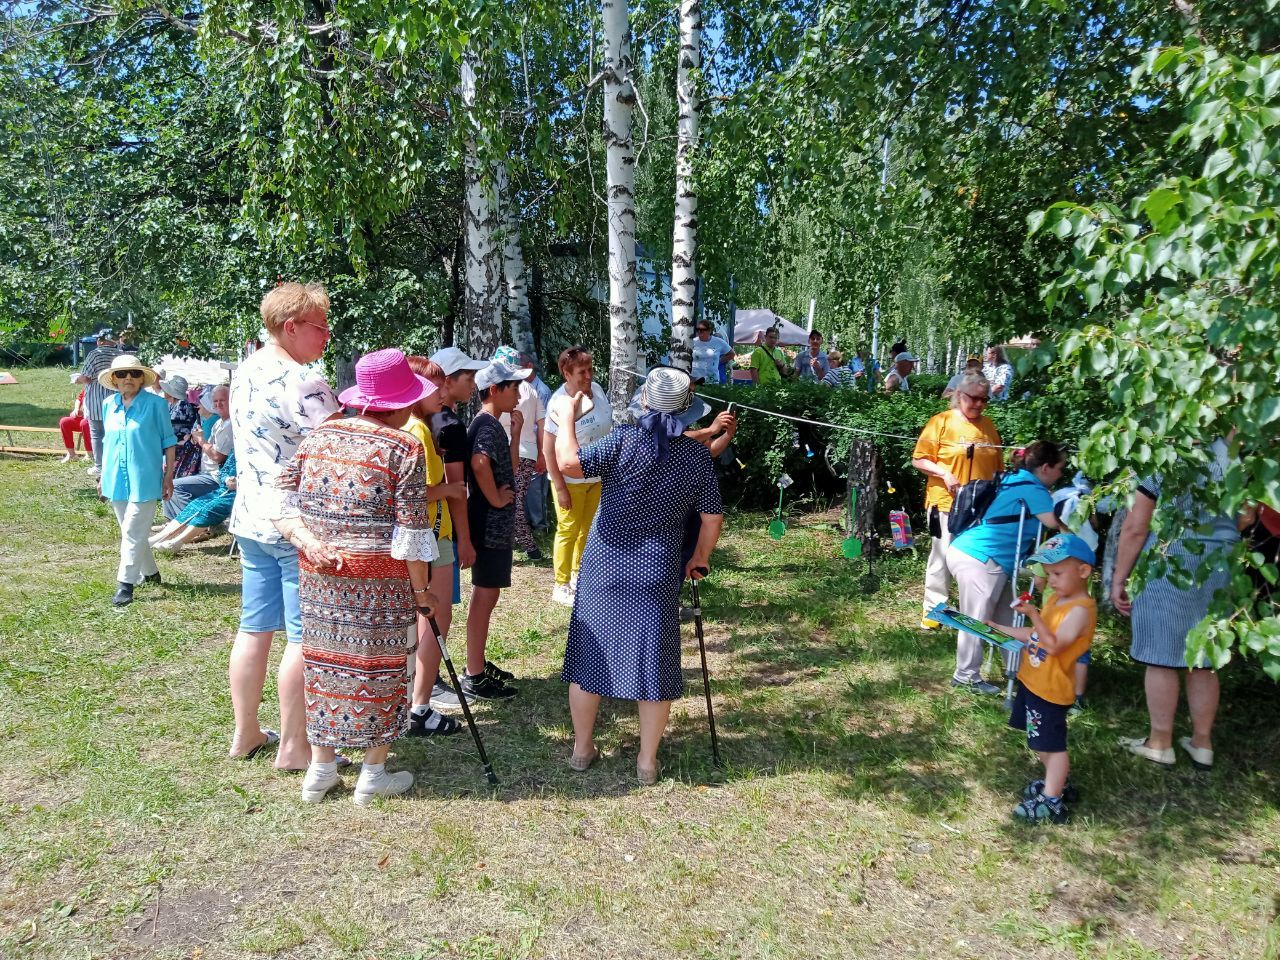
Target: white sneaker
[[93, 471], [381, 785], [68, 457], [562, 594], [316, 785]]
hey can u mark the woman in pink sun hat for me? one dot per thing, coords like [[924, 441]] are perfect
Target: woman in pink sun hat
[[357, 512]]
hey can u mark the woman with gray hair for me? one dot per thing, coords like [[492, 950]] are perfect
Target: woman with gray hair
[[956, 446], [624, 635]]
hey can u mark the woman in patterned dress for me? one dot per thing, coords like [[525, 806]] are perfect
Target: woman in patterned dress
[[184, 417], [624, 636], [357, 512]]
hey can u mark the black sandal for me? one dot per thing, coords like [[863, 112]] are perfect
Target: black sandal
[[445, 726]]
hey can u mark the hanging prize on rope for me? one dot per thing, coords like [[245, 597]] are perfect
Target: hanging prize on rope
[[900, 527], [778, 527], [851, 548]]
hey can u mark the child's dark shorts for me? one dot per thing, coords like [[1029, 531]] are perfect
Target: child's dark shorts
[[1045, 722]]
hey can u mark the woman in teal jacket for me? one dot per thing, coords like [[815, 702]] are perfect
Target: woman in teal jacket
[[137, 466]]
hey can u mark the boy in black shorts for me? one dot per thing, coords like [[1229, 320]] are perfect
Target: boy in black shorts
[[492, 516]]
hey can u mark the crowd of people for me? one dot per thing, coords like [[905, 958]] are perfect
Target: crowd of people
[[354, 515]]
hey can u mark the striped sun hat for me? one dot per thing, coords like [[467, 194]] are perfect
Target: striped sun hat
[[667, 390]]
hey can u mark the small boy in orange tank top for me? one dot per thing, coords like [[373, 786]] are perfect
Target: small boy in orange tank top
[[1058, 636]]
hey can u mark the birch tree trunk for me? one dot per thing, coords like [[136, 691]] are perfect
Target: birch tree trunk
[[479, 301], [513, 273], [684, 245], [619, 102]]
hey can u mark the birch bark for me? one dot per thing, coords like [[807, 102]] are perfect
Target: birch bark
[[684, 246], [513, 272], [619, 103], [481, 310]]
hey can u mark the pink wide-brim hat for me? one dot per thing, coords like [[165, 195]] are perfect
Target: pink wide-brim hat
[[385, 381]]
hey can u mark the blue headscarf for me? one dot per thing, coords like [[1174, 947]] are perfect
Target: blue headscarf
[[659, 427]]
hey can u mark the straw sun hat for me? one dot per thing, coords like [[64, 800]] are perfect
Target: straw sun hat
[[126, 361]]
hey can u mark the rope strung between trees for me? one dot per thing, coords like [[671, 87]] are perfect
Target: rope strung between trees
[[865, 431]]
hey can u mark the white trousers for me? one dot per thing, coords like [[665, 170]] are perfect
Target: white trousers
[[937, 575], [985, 593], [136, 559]]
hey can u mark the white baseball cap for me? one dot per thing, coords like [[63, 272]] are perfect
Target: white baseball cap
[[451, 360], [906, 358], [498, 372]]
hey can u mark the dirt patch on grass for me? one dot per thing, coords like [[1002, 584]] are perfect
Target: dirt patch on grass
[[188, 918]]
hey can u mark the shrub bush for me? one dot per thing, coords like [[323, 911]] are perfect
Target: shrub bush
[[816, 457]]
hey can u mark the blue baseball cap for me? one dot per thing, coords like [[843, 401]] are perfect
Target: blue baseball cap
[[1061, 546]]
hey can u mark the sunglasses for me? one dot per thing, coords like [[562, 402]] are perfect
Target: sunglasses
[[131, 374], [971, 397]]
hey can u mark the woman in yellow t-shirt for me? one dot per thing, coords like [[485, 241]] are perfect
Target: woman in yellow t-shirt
[[956, 446]]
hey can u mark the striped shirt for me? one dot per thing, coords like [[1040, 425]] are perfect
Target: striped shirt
[[95, 394], [840, 377]]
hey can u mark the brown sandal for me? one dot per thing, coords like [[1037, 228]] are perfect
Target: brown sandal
[[647, 777], [581, 764]]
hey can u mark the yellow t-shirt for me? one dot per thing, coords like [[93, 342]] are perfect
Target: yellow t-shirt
[[437, 510], [1053, 678], [946, 440]]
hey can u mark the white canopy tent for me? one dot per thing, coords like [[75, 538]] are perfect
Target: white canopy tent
[[195, 371], [749, 327]]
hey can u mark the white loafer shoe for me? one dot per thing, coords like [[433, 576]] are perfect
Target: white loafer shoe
[[1138, 745], [1201, 757]]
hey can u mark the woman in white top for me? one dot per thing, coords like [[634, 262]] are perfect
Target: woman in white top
[[576, 497], [709, 351]]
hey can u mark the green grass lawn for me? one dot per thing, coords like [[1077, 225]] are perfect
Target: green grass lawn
[[863, 810]]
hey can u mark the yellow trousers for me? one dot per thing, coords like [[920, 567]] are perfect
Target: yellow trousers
[[572, 527]]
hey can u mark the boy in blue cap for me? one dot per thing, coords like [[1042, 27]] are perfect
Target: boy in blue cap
[[1058, 636]]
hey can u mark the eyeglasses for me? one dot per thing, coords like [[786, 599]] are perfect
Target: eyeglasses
[[131, 374], [318, 326], [973, 399]]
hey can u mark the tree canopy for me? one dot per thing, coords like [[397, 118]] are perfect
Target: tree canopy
[[925, 162]]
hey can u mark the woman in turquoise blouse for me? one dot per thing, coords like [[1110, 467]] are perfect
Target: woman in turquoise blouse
[[137, 466]]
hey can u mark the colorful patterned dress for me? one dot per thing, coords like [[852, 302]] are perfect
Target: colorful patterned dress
[[184, 416], [361, 488]]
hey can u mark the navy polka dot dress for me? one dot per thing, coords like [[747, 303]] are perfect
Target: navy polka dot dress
[[624, 637]]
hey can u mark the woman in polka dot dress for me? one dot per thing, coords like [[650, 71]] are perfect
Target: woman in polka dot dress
[[624, 636]]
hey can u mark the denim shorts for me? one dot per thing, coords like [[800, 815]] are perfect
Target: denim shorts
[[269, 593]]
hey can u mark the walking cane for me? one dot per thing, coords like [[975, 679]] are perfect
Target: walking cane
[[462, 699], [702, 651]]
